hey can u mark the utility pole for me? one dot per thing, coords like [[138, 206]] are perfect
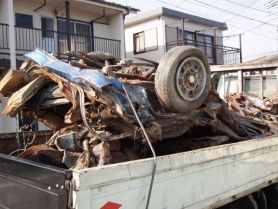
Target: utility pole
[[240, 48]]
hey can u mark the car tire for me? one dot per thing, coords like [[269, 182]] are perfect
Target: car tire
[[182, 79]]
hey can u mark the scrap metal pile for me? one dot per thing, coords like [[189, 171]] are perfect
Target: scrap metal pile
[[263, 111], [95, 106]]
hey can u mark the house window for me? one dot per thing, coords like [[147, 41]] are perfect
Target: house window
[[47, 27], [81, 39], [22, 20], [205, 43], [83, 29], [145, 41], [62, 26]]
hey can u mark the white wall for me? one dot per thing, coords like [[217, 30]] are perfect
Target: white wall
[[155, 55], [7, 124], [113, 30], [4, 11], [101, 30]]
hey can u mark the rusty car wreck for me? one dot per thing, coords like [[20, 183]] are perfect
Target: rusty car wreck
[[103, 111]]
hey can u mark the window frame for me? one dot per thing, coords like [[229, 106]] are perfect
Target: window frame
[[74, 21], [17, 13], [46, 30], [145, 50]]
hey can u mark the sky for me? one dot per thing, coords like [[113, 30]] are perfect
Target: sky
[[257, 23]]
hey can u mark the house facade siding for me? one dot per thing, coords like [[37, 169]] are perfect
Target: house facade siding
[[169, 35]]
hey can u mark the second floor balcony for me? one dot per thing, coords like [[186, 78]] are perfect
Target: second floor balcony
[[27, 39]]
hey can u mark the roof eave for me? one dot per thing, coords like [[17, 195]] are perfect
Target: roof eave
[[110, 5]]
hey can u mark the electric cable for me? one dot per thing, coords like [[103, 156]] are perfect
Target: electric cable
[[228, 11], [149, 142]]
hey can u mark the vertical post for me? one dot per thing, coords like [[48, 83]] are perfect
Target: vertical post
[[276, 79], [182, 32], [68, 24], [277, 38], [261, 84], [214, 45], [120, 20], [239, 81], [93, 36], [195, 38], [240, 48], [11, 33], [224, 84]]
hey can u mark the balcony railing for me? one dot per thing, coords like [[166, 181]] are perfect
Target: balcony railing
[[4, 36], [216, 54], [27, 39]]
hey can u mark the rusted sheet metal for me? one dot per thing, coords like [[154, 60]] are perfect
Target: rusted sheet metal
[[94, 122]]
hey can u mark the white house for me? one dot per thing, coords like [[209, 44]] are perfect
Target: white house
[[151, 34], [58, 26]]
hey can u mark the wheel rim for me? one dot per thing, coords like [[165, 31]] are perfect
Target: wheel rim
[[191, 78]]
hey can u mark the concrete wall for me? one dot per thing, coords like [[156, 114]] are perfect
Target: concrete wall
[[157, 23]]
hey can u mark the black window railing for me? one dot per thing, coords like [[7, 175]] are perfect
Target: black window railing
[[27, 39]]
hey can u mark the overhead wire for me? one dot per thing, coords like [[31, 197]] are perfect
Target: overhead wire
[[253, 8], [228, 11], [246, 7], [191, 11]]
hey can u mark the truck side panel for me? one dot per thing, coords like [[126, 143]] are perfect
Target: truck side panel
[[197, 179]]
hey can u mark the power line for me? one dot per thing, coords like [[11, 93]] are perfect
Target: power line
[[191, 11], [246, 7], [228, 11], [260, 25], [246, 31], [259, 10]]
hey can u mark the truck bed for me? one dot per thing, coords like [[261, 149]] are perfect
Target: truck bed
[[205, 178]]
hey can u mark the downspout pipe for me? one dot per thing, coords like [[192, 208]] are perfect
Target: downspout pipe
[[102, 16], [44, 4]]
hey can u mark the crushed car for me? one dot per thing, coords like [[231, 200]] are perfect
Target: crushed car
[[107, 111]]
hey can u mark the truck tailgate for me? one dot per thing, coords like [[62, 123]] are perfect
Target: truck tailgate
[[203, 178], [29, 185]]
